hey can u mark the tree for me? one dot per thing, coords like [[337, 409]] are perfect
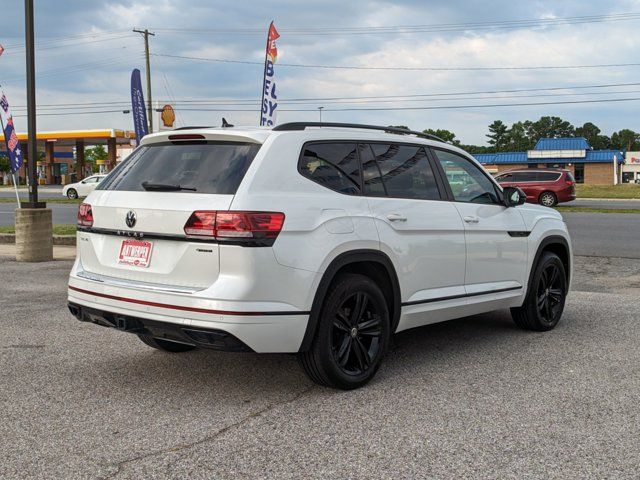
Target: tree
[[498, 135], [592, 133], [518, 140], [626, 140], [96, 153], [549, 127], [4, 163], [445, 135]]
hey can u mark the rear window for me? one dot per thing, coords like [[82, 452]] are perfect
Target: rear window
[[202, 167]]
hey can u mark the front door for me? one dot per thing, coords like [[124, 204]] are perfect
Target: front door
[[495, 235]]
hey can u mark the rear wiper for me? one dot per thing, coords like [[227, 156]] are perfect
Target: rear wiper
[[167, 187]]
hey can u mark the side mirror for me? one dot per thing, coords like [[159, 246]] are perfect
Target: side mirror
[[513, 196]]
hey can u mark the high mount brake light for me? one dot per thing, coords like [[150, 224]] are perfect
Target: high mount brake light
[[85, 215], [186, 136], [246, 228]]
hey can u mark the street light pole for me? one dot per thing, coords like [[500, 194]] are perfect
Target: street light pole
[[32, 145], [320, 111], [146, 34]]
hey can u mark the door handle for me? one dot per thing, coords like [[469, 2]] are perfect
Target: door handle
[[396, 217], [471, 219]]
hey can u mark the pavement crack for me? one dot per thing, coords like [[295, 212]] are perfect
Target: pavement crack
[[178, 448]]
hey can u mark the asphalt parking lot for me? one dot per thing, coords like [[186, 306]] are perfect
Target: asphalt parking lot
[[471, 398]]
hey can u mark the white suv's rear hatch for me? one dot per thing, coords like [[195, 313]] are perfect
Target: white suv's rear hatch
[[139, 213]]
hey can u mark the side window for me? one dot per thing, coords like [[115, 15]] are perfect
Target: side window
[[526, 176], [371, 175], [332, 165], [92, 180], [468, 183], [406, 171], [548, 176], [505, 177]]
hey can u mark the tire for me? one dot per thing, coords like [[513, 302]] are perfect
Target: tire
[[72, 194], [352, 335], [544, 303], [165, 345], [548, 199]]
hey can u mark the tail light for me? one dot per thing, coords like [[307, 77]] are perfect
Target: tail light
[[569, 183], [85, 215], [244, 228]]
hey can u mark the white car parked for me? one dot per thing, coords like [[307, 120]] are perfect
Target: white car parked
[[317, 239], [82, 188]]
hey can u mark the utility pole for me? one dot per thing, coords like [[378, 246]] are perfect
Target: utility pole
[[32, 145], [320, 110], [146, 34]]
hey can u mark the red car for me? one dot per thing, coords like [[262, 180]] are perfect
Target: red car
[[547, 187]]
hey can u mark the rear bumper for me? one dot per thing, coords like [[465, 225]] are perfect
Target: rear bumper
[[180, 315], [200, 337]]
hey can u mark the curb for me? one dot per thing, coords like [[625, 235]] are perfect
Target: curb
[[609, 199], [6, 238]]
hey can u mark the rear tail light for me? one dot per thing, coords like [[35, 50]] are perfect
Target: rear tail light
[[85, 215], [245, 228], [569, 183]]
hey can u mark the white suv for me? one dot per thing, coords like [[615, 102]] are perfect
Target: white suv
[[317, 239]]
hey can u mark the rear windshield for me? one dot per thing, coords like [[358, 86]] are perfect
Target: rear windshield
[[202, 167]]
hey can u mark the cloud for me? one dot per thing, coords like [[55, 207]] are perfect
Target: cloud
[[115, 51]]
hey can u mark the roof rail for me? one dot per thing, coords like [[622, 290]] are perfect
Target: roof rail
[[400, 131]]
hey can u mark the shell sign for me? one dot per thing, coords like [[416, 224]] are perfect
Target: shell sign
[[168, 116]]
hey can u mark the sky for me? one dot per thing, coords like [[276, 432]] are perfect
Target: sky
[[85, 51]]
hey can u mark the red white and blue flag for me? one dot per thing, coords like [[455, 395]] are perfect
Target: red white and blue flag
[[10, 136]]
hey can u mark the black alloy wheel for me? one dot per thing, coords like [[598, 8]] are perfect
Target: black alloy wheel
[[544, 303], [352, 334], [550, 294], [355, 339]]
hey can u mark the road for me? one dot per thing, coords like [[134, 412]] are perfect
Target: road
[[63, 213], [592, 233], [470, 398]]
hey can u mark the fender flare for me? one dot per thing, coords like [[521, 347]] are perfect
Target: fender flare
[[545, 242], [342, 260]]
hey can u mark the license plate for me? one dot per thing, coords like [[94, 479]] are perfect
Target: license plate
[[135, 252]]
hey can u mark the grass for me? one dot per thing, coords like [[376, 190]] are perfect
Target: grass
[[608, 191], [597, 210], [47, 200], [61, 229]]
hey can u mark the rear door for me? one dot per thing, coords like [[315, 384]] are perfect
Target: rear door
[[496, 239], [422, 233], [140, 210]]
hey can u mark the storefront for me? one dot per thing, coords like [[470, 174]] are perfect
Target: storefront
[[594, 167]]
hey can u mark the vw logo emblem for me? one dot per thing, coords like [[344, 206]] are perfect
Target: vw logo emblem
[[131, 219]]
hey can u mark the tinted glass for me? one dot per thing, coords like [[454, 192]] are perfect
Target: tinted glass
[[406, 171], [206, 167], [570, 177], [468, 183], [505, 177], [525, 176], [371, 175], [548, 176], [333, 165]]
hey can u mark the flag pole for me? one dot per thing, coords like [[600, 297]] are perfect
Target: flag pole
[[13, 175], [264, 74]]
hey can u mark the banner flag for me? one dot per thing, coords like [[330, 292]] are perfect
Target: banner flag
[[10, 136], [137, 107], [1, 50], [269, 95]]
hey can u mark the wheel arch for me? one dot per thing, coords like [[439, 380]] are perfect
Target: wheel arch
[[556, 244], [372, 263]]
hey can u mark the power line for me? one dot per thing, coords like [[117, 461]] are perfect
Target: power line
[[426, 28], [399, 98], [351, 109], [400, 68]]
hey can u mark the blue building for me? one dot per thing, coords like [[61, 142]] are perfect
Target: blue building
[[595, 167]]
